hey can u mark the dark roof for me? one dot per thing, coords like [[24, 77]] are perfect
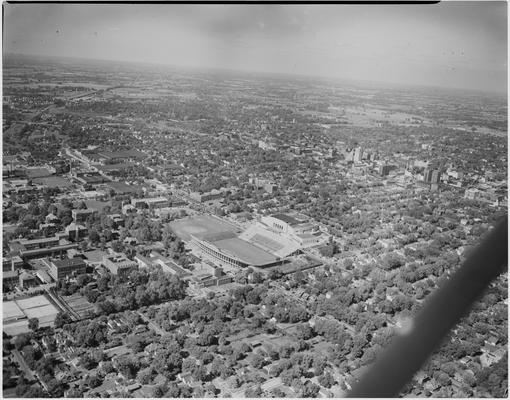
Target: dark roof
[[70, 262]]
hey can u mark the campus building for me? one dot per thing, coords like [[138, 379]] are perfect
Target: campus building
[[151, 203], [12, 263], [80, 216], [119, 264], [208, 196], [432, 176], [60, 269]]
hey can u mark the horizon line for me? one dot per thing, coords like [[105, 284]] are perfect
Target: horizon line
[[285, 74]]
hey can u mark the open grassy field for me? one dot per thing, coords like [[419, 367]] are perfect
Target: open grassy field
[[200, 226], [53, 182]]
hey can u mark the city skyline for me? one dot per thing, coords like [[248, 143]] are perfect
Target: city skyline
[[455, 44]]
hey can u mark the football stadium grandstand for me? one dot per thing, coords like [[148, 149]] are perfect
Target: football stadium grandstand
[[297, 228]]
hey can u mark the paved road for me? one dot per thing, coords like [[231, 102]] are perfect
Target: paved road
[[271, 384], [63, 305], [152, 325], [23, 365]]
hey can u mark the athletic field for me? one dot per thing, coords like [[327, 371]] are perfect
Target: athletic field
[[200, 226], [17, 312]]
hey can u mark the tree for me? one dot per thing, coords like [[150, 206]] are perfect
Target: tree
[[83, 279], [310, 389], [326, 380], [55, 387], [209, 387], [200, 373], [87, 362], [275, 274], [257, 277], [257, 361], [93, 381], [159, 391], [304, 332], [94, 236], [22, 340], [33, 324], [255, 391]]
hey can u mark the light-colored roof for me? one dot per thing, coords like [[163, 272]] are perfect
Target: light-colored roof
[[245, 251]]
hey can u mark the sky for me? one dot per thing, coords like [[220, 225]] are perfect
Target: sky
[[450, 44]]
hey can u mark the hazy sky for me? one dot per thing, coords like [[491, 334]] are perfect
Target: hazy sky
[[456, 44]]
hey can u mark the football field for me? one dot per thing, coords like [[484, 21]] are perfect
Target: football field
[[200, 226]]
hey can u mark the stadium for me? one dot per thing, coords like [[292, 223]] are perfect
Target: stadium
[[260, 245]]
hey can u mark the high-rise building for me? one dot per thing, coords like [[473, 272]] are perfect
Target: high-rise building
[[427, 175], [431, 176], [358, 154], [436, 176], [384, 170]]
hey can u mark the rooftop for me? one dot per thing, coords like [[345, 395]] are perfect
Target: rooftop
[[70, 262]]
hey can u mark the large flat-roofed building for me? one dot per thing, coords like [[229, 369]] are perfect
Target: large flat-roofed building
[[486, 196], [170, 267], [10, 277], [431, 176], [54, 251], [35, 248], [80, 216], [12, 263], [31, 244], [119, 264], [208, 196], [90, 178], [207, 280], [60, 269], [151, 202], [76, 231]]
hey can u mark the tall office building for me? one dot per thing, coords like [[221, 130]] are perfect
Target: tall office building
[[436, 176], [432, 176], [358, 154]]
